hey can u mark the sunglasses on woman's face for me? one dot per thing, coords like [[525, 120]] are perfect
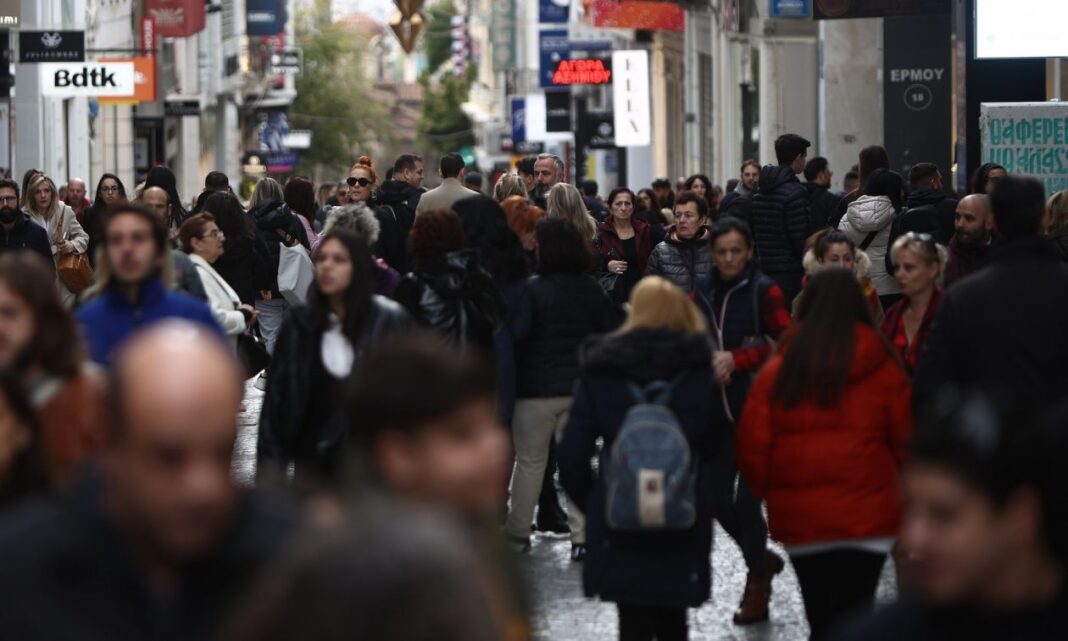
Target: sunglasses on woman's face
[[362, 182]]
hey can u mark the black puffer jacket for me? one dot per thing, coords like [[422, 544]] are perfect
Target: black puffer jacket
[[401, 199], [779, 219], [823, 205], [456, 297], [555, 314], [667, 569], [246, 266], [284, 435], [270, 216], [685, 262], [931, 212]]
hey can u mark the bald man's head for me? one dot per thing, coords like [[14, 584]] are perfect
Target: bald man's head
[[974, 221], [176, 394], [76, 193], [156, 199]]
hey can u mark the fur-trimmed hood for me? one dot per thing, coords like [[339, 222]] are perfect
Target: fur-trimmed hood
[[861, 264]]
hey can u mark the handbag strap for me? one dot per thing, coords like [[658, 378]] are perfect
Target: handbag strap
[[59, 228]]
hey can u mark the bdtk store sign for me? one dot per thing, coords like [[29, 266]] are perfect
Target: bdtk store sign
[[51, 46], [113, 79]]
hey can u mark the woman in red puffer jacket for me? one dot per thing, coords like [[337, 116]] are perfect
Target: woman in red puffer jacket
[[822, 439]]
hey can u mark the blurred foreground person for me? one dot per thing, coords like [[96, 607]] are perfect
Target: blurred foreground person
[[22, 464], [823, 439], [130, 291], [160, 541], [444, 448], [660, 358], [393, 574], [317, 348], [1005, 324], [984, 528], [39, 344]]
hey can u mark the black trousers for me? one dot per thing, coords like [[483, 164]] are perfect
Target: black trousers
[[646, 623], [835, 583], [739, 512]]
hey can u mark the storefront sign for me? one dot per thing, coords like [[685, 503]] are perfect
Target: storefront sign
[[558, 111], [918, 91], [831, 9], [630, 96], [10, 13], [144, 82], [280, 162], [51, 46], [503, 35], [518, 110], [176, 18], [648, 15], [602, 129], [265, 17], [555, 47], [591, 71], [553, 11], [181, 108], [791, 8], [286, 61], [88, 79], [148, 36], [1028, 138]]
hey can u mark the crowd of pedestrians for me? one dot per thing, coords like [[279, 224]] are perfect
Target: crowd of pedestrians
[[857, 377]]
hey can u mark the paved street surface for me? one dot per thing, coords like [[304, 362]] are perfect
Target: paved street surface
[[563, 614]]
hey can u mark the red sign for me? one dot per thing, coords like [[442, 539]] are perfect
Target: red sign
[[648, 15], [582, 72], [176, 18], [148, 36]]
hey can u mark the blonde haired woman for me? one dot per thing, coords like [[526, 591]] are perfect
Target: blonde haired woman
[[565, 200], [919, 263], [509, 185], [661, 354], [41, 201]]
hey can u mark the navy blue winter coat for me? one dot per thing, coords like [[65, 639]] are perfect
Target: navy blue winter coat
[[666, 569], [780, 219]]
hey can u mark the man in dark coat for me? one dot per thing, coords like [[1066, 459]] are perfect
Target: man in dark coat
[[402, 192], [969, 250], [929, 202], [780, 216], [738, 202], [821, 202], [159, 541], [17, 231], [1005, 324]]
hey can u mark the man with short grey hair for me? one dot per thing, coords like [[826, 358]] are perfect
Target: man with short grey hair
[[548, 170]]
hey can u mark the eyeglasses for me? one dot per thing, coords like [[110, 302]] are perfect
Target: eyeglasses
[[9, 199], [362, 182], [215, 233], [108, 189]]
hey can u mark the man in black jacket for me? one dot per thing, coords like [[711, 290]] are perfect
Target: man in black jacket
[[821, 202], [930, 209], [159, 542], [403, 191], [738, 203], [17, 231], [780, 216], [1005, 324]]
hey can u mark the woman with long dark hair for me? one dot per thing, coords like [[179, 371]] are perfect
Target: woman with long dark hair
[[316, 349], [300, 198], [246, 260], [822, 440], [984, 178], [109, 190]]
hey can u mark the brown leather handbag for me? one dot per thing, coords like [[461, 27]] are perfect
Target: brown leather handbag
[[74, 269]]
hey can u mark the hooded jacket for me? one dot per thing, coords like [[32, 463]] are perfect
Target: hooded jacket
[[830, 473], [867, 215], [935, 214], [456, 297], [667, 569], [779, 219], [685, 262], [270, 217], [861, 269]]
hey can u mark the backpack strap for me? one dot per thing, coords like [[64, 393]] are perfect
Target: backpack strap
[[660, 392], [868, 240]]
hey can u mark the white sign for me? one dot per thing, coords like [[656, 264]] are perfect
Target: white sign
[[1020, 29], [1029, 138], [67, 79], [297, 139], [535, 119], [630, 94]]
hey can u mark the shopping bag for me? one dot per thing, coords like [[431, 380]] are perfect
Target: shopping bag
[[295, 274]]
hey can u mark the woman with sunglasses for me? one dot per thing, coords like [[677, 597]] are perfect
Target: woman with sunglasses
[[918, 266], [391, 245]]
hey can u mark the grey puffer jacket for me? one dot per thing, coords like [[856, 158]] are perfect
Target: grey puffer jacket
[[685, 262]]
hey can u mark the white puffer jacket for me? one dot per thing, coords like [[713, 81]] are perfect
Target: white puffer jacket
[[873, 214]]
